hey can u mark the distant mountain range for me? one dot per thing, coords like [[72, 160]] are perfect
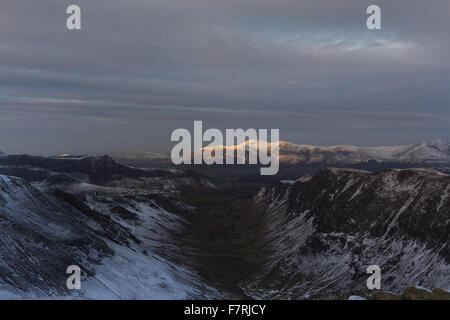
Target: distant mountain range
[[435, 152], [289, 153]]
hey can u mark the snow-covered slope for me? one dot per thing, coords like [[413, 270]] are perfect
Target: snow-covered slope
[[325, 230], [113, 240]]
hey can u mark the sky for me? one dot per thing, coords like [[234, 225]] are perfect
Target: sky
[[139, 69]]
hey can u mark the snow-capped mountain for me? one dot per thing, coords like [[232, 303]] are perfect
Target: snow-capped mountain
[[324, 230], [289, 153], [438, 151]]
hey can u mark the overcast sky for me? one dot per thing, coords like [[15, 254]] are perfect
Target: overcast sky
[[139, 69]]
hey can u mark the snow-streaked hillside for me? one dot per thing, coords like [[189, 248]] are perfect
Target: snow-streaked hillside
[[325, 230], [113, 240]]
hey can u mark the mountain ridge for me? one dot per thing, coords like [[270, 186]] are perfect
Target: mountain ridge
[[290, 153], [325, 229]]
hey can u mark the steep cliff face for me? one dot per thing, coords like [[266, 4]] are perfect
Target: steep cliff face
[[325, 229]]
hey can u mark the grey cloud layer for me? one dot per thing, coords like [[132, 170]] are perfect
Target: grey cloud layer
[[140, 69]]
